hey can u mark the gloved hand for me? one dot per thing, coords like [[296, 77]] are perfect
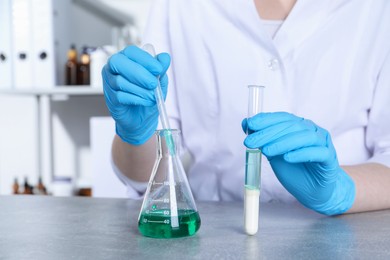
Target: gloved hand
[[304, 160], [129, 80]]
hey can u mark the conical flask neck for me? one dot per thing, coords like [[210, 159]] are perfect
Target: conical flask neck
[[168, 142]]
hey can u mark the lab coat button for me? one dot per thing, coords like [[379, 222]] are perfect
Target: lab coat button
[[273, 64]]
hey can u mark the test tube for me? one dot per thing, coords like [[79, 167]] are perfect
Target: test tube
[[253, 167]]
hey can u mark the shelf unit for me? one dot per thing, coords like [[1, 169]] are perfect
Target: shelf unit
[[57, 90], [43, 97], [118, 23]]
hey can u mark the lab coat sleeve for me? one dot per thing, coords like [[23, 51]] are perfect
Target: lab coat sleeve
[[134, 189], [378, 129]]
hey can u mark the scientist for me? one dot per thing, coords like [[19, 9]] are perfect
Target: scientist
[[327, 61]]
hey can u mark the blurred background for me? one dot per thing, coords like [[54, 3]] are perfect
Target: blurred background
[[55, 130]]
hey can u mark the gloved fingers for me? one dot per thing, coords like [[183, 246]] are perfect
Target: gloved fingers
[[109, 93], [115, 98], [274, 132], [244, 125], [165, 61], [134, 72], [264, 120], [292, 142], [164, 85], [119, 83], [318, 154], [257, 124], [144, 59], [125, 98]]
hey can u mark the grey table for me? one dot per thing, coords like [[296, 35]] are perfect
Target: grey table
[[33, 227]]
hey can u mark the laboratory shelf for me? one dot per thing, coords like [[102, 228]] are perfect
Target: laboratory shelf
[[57, 90], [44, 97]]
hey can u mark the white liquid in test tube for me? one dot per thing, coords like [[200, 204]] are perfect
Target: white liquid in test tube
[[252, 168], [251, 208]]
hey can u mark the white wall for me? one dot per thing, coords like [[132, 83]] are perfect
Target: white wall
[[71, 147]]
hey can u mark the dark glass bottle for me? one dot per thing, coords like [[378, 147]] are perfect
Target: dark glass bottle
[[27, 188], [15, 186], [71, 67], [83, 68], [41, 189]]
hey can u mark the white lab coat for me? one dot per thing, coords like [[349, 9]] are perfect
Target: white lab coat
[[329, 62]]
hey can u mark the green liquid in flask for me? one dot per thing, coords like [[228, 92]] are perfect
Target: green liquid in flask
[[158, 225]]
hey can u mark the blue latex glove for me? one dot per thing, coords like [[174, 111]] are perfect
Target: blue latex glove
[[129, 80], [304, 160]]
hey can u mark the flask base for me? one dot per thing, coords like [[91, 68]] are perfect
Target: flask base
[[158, 225]]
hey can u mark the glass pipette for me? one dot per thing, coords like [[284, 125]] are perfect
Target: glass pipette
[[169, 140], [161, 105], [252, 168]]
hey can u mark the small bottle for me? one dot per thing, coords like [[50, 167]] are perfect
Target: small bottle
[[71, 66], [83, 68], [27, 188], [41, 189], [15, 187], [98, 60]]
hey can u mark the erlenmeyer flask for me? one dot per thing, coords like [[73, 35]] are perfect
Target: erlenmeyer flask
[[168, 209]]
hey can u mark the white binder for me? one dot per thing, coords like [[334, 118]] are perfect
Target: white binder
[[43, 44], [5, 45], [33, 40], [22, 47]]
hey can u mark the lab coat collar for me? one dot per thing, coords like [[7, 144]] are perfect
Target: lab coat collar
[[306, 17]]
